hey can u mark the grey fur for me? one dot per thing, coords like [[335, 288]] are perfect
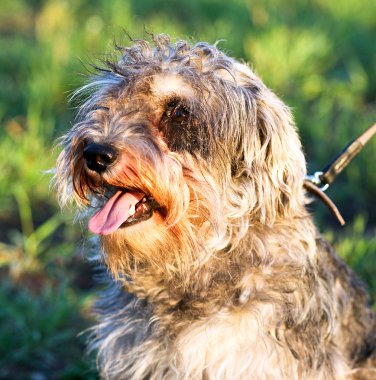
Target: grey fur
[[232, 280]]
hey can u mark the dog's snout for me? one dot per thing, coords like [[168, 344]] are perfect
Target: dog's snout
[[99, 157]]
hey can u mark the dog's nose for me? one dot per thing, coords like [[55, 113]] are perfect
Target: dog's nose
[[99, 157]]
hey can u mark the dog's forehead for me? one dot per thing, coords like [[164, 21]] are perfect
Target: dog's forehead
[[170, 84]]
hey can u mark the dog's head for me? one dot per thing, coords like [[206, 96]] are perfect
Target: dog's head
[[178, 151]]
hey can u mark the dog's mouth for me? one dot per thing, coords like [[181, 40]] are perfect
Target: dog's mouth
[[125, 208]]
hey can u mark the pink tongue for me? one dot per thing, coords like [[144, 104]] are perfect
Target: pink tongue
[[114, 213]]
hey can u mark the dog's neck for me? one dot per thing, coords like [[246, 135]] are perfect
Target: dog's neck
[[222, 280]]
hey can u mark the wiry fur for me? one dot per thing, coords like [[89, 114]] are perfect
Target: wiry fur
[[229, 279]]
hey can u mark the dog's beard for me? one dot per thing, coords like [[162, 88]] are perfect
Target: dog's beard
[[157, 210]]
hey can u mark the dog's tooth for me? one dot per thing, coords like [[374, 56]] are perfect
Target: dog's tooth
[[132, 210]]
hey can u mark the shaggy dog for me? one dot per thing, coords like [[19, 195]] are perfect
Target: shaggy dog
[[191, 172]]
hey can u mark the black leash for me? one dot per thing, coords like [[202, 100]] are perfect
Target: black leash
[[318, 182]]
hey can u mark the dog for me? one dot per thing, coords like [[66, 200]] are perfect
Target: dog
[[190, 173]]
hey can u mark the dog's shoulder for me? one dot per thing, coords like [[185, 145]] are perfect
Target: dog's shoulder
[[350, 303]]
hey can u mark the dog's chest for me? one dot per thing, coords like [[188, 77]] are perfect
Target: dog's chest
[[227, 345], [233, 345]]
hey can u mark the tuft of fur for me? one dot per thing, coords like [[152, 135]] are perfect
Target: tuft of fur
[[229, 279]]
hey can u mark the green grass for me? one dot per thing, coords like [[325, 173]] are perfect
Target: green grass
[[39, 336], [319, 56]]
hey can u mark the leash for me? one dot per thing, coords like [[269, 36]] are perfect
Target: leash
[[319, 181]]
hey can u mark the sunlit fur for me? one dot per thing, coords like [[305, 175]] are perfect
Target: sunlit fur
[[229, 279]]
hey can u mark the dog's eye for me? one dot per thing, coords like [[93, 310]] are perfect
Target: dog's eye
[[176, 113]]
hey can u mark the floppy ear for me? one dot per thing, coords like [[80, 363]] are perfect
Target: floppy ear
[[272, 153]]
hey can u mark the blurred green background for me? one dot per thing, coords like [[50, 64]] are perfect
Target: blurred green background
[[319, 56]]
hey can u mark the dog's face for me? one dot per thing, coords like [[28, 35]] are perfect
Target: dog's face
[[177, 151]]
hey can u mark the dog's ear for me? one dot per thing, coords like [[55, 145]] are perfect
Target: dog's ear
[[272, 152]]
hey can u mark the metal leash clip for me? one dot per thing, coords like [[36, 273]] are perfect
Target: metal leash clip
[[318, 182], [315, 178]]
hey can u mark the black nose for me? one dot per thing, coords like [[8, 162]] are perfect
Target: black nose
[[99, 157]]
